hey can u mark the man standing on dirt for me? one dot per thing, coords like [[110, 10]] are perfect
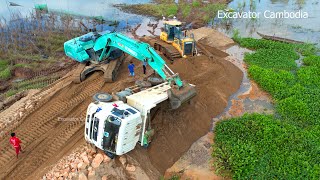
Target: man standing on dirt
[[15, 143], [131, 68], [144, 66]]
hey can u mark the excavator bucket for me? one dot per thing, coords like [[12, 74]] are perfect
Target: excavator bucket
[[177, 97]]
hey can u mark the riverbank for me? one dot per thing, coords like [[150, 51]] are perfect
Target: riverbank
[[195, 13]]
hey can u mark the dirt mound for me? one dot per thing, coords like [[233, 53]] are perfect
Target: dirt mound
[[212, 37], [215, 81]]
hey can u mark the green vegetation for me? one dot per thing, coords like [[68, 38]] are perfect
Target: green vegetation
[[184, 10], [5, 74], [34, 83], [211, 10], [3, 64], [196, 3], [11, 92], [171, 10], [173, 177], [157, 10], [281, 146], [262, 147]]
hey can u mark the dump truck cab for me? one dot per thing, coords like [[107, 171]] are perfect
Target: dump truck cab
[[116, 127], [173, 34], [113, 127]]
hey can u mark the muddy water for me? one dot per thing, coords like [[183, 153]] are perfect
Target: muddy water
[[249, 98], [79, 7], [307, 30]]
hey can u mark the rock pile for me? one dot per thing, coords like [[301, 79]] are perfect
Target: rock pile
[[85, 163]]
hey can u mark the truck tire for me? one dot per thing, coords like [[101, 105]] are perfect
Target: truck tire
[[102, 97], [143, 84], [155, 80]]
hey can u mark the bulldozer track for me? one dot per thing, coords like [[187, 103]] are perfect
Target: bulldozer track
[[42, 131], [166, 49]]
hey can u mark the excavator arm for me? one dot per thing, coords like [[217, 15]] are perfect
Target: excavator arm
[[140, 50]]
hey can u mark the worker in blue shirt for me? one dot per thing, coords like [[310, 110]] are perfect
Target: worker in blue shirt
[[131, 68]]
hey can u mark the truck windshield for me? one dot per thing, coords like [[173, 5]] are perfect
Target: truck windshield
[[110, 136]]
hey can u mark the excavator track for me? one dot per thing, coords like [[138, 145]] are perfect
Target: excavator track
[[110, 70], [111, 73], [166, 49]]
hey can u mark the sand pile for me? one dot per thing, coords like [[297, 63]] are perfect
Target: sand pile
[[212, 37], [215, 81]]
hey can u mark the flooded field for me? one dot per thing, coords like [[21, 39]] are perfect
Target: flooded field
[[95, 8]]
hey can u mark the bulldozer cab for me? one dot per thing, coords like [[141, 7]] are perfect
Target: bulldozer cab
[[172, 29], [180, 40], [171, 34]]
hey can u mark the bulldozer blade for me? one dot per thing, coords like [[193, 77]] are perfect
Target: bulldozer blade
[[177, 97]]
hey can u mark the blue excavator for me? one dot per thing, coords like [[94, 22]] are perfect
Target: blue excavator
[[105, 51]]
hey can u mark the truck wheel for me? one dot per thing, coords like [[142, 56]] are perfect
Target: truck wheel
[[155, 80], [102, 97], [143, 84]]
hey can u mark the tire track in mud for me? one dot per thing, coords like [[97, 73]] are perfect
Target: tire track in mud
[[43, 134], [51, 146]]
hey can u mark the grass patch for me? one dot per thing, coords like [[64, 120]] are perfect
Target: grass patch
[[196, 3], [35, 83], [22, 65], [11, 92], [211, 10], [5, 74], [185, 9], [157, 10], [284, 145]]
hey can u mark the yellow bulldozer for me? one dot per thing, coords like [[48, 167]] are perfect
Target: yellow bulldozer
[[173, 34], [174, 42]]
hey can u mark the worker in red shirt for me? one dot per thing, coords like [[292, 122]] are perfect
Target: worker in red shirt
[[15, 143]]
